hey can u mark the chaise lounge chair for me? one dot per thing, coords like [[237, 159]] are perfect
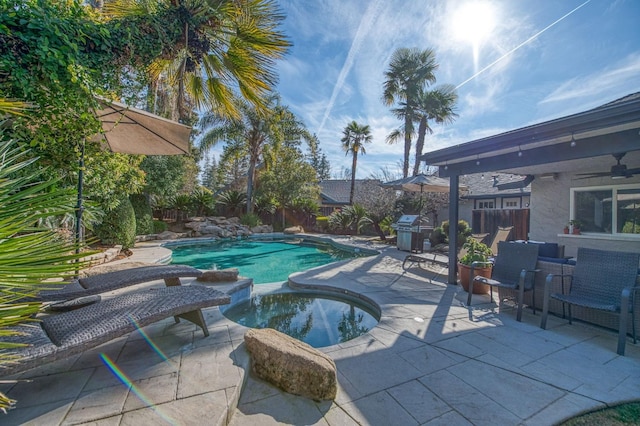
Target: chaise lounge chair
[[431, 258], [62, 335], [110, 281]]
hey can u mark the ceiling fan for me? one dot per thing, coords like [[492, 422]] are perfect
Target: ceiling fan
[[618, 171]]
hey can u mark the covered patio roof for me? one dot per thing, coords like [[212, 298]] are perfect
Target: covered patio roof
[[578, 143], [552, 145]]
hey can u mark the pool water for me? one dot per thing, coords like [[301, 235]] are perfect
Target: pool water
[[314, 318], [266, 261]]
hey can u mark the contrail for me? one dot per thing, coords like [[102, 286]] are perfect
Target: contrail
[[365, 24], [533, 37]]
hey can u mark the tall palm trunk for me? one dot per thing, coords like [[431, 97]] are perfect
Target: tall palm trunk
[[354, 163], [407, 145], [422, 131]]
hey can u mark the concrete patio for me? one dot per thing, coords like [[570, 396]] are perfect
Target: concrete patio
[[429, 361]]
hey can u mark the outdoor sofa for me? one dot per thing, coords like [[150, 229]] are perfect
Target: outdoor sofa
[[59, 336]]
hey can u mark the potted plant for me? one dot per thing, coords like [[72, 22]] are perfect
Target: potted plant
[[566, 229], [574, 225], [475, 252]]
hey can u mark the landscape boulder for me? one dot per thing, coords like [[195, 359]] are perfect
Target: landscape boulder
[[291, 365], [294, 230]]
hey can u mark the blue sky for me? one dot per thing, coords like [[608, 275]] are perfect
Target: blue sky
[[522, 62]]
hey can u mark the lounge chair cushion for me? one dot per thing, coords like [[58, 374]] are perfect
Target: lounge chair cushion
[[115, 280], [62, 335]]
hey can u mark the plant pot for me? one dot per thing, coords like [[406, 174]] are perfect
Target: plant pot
[[566, 229], [576, 231], [464, 272]]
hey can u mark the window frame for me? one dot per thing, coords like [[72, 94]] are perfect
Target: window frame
[[614, 207]]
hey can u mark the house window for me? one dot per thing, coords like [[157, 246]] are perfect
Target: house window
[[607, 209], [486, 204]]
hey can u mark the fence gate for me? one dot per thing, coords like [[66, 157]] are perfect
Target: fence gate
[[488, 221]]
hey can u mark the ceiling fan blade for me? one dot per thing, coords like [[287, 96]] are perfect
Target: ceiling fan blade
[[631, 172], [596, 174]]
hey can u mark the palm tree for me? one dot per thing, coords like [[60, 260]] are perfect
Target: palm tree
[[253, 131], [410, 71], [222, 45], [437, 105], [353, 140]]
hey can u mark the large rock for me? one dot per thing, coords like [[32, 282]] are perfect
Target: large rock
[[219, 275], [262, 229], [292, 365], [294, 230]]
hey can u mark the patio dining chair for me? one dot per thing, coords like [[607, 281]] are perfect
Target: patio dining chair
[[514, 268], [602, 280]]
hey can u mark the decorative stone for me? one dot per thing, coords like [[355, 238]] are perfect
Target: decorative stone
[[291, 365], [221, 275], [262, 229], [294, 230], [168, 235]]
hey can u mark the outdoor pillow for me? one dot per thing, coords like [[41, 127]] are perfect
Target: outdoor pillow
[[547, 249]]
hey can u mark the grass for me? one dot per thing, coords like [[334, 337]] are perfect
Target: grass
[[624, 414]]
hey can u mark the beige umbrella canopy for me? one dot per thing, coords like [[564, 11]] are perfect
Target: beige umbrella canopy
[[420, 183], [132, 131]]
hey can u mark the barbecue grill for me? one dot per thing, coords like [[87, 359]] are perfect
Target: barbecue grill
[[411, 232]]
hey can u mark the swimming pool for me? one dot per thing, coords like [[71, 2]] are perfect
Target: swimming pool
[[266, 260], [319, 319]]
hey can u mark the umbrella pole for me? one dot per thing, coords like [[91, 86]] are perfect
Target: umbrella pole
[[79, 207]]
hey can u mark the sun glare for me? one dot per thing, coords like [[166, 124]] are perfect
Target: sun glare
[[473, 22]]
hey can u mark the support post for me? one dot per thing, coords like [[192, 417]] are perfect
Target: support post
[[453, 228], [79, 207]]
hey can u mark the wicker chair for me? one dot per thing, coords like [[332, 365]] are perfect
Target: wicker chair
[[110, 281], [514, 268], [60, 336], [602, 280]]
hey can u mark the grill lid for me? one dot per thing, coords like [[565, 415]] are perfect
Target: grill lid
[[408, 220]]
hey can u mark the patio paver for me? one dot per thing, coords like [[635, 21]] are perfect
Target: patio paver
[[429, 361]]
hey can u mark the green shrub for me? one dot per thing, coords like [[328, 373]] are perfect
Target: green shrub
[[322, 223], [143, 212], [437, 236], [118, 225], [159, 226], [464, 230], [250, 220]]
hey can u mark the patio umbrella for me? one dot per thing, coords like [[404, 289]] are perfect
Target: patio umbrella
[[420, 183], [130, 130]]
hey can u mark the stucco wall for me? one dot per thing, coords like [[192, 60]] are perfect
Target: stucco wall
[[550, 213]]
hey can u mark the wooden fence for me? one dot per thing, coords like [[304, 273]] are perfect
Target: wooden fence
[[488, 221]]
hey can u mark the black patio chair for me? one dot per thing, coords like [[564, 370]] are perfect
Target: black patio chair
[[514, 268], [602, 280]]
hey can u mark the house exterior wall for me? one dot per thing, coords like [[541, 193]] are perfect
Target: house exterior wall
[[550, 201]]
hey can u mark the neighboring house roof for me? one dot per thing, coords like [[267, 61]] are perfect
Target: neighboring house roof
[[482, 185], [337, 191]]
